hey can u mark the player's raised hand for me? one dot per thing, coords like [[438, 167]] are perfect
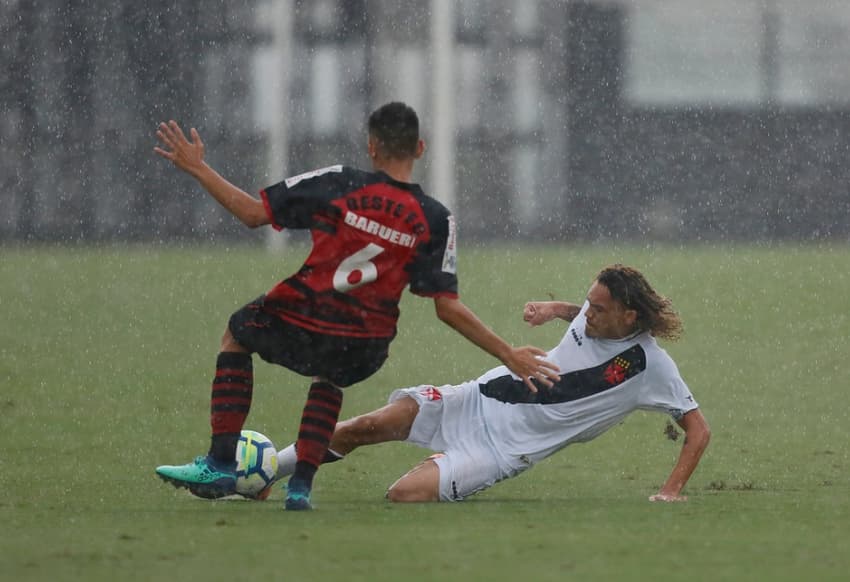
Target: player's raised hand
[[540, 312], [537, 313], [527, 362], [186, 155]]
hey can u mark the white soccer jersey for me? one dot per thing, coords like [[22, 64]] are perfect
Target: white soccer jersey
[[602, 381], [494, 427]]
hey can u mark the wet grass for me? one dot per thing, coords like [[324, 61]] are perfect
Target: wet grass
[[105, 361]]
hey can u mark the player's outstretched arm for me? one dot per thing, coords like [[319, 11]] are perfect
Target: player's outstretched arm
[[697, 435], [189, 157], [526, 362], [540, 312]]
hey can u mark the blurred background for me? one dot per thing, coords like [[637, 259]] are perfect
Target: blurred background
[[567, 121]]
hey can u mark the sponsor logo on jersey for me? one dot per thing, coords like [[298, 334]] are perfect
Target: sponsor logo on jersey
[[450, 256], [290, 182], [576, 337], [380, 230]]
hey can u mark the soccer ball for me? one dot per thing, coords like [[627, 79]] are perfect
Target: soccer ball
[[256, 465]]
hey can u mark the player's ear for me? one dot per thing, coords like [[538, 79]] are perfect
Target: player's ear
[[630, 317], [372, 147], [420, 149]]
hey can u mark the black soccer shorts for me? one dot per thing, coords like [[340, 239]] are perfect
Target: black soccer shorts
[[342, 360]]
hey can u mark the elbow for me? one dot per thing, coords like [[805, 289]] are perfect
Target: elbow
[[443, 309], [254, 219], [252, 213], [697, 430], [251, 223], [702, 439]]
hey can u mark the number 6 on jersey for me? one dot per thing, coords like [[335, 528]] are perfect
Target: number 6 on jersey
[[358, 269]]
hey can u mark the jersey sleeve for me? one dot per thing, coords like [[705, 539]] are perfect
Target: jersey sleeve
[[434, 269], [293, 202], [668, 393]]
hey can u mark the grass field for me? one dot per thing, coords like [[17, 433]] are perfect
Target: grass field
[[106, 357]]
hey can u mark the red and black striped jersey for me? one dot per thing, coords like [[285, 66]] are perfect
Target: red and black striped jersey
[[372, 237]]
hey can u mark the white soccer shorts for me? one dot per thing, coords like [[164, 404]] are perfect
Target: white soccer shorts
[[450, 421]]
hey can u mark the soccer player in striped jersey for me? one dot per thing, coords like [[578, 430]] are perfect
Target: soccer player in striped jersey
[[495, 427], [374, 233]]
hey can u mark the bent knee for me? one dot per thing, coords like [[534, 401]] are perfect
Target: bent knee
[[421, 483], [401, 493]]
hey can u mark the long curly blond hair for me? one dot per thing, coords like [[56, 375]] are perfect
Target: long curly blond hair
[[655, 312]]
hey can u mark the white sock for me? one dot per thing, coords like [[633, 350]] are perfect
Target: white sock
[[286, 459]]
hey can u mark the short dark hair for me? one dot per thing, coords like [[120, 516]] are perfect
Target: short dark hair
[[396, 128], [655, 312]]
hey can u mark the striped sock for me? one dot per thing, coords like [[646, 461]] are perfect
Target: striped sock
[[318, 421], [232, 389]]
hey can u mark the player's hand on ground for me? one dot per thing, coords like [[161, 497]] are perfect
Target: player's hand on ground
[[186, 155], [666, 498], [527, 362]]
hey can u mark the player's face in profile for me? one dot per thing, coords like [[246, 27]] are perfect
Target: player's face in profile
[[607, 318]]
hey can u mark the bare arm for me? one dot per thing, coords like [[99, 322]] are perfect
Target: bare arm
[[697, 435], [189, 157], [525, 362], [540, 312]]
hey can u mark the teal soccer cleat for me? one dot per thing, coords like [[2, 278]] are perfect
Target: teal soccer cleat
[[297, 497], [297, 501], [204, 477]]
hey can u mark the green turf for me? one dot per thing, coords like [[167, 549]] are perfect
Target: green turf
[[105, 362]]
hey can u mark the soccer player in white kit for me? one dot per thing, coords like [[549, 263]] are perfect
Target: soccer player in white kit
[[496, 427]]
